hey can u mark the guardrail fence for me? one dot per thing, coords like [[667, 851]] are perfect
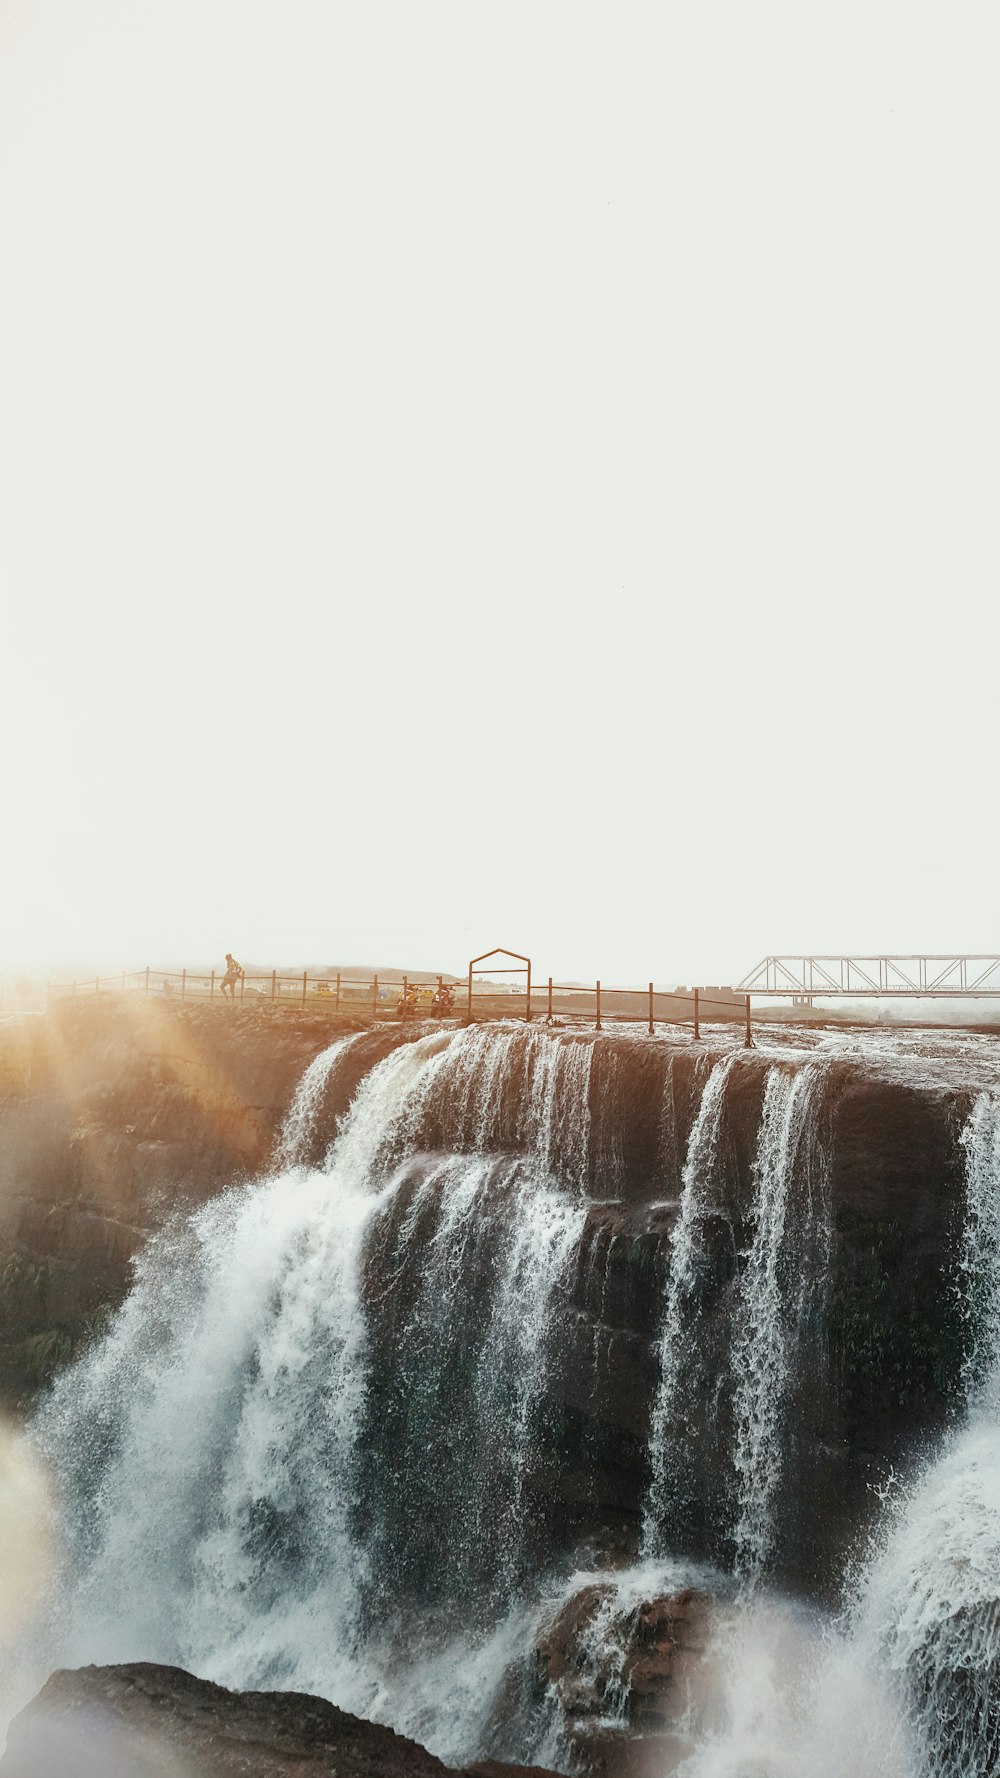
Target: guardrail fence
[[394, 997]]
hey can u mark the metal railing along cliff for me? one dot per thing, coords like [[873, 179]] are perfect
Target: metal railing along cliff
[[554, 1003]]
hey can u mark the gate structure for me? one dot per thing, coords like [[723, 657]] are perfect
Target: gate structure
[[522, 966]]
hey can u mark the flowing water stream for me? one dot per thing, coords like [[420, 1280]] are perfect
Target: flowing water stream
[[769, 1311], [315, 1449], [929, 1601], [906, 1683], [672, 1407]]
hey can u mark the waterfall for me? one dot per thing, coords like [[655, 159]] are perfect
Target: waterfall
[[980, 1259], [696, 1181], [766, 1318], [770, 1299], [908, 1683], [206, 1449], [783, 1695], [559, 1107], [299, 1125], [356, 1431], [512, 1089], [473, 1261], [312, 1434], [928, 1605]]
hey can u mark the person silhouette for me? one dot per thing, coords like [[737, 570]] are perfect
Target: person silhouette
[[234, 974]]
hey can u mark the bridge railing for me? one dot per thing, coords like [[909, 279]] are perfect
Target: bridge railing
[[548, 1001], [577, 1003], [334, 992]]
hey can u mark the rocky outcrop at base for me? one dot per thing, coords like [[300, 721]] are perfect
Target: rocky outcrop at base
[[146, 1721], [622, 1673]]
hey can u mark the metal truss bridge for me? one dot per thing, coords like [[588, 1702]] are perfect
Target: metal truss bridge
[[876, 978]]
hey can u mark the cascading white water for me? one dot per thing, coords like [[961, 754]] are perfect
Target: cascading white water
[[784, 1695], [907, 1685], [559, 1108], [212, 1433], [696, 1179], [220, 1454], [605, 1638], [980, 1260], [300, 1121], [766, 1316], [312, 1448], [928, 1605], [515, 1088]]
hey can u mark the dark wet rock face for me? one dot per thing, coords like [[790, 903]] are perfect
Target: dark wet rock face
[[145, 1721], [604, 1659]]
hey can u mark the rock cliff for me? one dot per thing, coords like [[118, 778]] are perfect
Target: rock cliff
[[114, 1116]]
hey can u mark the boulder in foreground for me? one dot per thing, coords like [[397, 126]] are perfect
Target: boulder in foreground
[[146, 1721]]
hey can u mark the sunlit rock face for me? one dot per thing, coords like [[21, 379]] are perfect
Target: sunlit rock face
[[114, 1115]]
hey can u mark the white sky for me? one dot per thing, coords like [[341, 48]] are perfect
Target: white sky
[[516, 474]]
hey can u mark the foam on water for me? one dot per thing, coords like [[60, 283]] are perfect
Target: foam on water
[[782, 1694]]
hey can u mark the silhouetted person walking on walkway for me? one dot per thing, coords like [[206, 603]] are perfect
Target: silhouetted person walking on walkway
[[234, 974]]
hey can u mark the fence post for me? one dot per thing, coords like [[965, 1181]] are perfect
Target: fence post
[[304, 974], [597, 1026], [550, 1001], [405, 986], [374, 996], [243, 984], [527, 1000], [184, 977], [274, 983], [748, 1043], [336, 1004], [697, 1027], [147, 980], [211, 987], [468, 1009], [650, 1009]]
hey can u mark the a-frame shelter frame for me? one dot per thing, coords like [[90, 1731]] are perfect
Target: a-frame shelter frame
[[522, 966]]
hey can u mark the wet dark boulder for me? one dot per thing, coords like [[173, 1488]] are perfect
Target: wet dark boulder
[[146, 1721], [621, 1673]]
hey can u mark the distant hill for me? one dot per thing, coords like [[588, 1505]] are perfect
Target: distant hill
[[363, 972]]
